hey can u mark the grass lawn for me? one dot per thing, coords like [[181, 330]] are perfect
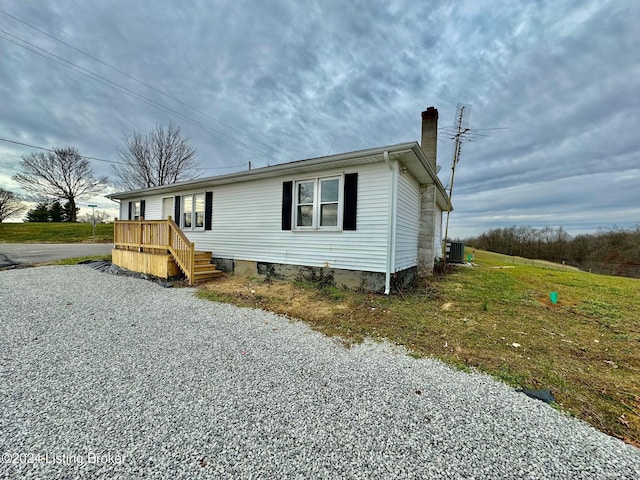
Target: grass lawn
[[585, 348], [54, 233]]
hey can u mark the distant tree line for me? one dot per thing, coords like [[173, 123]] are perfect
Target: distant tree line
[[611, 251]]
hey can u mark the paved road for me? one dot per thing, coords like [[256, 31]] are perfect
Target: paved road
[[29, 253]]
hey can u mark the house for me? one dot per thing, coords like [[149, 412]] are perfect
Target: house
[[368, 218]]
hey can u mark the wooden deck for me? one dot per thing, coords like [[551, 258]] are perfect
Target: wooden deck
[[154, 244]]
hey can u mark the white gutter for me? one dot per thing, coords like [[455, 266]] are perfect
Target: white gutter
[[391, 224]]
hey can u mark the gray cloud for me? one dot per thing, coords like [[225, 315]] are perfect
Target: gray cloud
[[292, 80]]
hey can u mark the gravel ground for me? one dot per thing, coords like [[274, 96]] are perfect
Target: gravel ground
[[105, 376]]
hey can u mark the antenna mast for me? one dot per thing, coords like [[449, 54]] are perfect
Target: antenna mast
[[461, 128]]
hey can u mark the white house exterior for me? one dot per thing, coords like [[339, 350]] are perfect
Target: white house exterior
[[364, 216]]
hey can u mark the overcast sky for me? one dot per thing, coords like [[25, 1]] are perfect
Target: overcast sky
[[273, 81]]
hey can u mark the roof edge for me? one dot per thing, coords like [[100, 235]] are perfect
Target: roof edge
[[277, 169]]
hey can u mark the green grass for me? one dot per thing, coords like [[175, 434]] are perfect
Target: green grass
[[500, 321], [54, 233]]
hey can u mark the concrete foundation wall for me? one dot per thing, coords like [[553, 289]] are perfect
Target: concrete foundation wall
[[352, 279]]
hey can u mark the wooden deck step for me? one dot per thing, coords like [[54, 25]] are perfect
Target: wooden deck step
[[204, 275], [203, 268]]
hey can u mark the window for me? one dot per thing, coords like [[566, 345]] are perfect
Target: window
[[198, 210], [304, 200], [136, 209], [193, 211], [329, 197], [317, 203], [135, 214]]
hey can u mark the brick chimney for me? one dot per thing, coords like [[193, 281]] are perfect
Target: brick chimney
[[429, 141]]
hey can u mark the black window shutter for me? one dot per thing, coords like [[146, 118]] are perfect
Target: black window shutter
[[176, 209], [287, 199], [350, 201], [208, 209], [142, 205], [130, 210]]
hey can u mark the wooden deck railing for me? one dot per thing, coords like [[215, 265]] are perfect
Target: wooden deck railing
[[146, 235]]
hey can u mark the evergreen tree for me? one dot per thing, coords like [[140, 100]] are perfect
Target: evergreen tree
[[56, 212], [40, 213]]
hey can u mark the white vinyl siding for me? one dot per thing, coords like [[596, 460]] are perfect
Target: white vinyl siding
[[152, 207], [407, 222], [247, 225]]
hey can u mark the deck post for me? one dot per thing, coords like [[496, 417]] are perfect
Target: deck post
[[141, 234], [192, 264]]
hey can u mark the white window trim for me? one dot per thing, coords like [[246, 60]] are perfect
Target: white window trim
[[315, 224], [191, 197]]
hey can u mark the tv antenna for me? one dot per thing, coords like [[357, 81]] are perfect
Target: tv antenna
[[461, 131]]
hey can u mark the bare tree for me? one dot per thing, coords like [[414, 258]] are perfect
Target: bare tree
[[160, 157], [62, 174], [101, 216], [10, 204]]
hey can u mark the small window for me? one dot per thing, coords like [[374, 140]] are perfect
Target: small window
[[317, 203], [187, 211], [193, 211], [135, 214], [198, 210]]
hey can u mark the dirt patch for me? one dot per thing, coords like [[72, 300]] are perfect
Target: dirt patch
[[317, 306]]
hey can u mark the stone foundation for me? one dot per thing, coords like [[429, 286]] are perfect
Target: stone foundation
[[351, 279]]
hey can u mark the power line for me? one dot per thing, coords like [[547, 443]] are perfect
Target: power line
[[100, 79], [127, 91], [50, 150], [142, 82], [109, 161]]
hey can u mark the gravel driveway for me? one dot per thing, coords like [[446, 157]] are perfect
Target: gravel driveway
[[104, 376]]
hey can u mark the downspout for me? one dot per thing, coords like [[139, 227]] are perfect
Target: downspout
[[391, 224]]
